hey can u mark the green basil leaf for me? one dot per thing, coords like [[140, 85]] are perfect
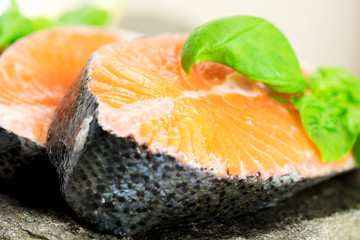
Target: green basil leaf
[[250, 45], [327, 125], [41, 23], [279, 98], [357, 151], [86, 14], [13, 25]]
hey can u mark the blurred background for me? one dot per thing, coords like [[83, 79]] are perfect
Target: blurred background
[[322, 32]]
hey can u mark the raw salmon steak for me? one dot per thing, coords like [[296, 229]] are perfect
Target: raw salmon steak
[[35, 73], [139, 144]]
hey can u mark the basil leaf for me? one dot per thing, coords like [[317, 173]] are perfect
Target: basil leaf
[[279, 98], [41, 23], [357, 151], [250, 45], [331, 113], [86, 14], [13, 25]]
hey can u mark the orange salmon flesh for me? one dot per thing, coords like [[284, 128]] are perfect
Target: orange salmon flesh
[[37, 71], [214, 117]]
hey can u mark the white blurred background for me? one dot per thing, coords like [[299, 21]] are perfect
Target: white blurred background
[[322, 32]]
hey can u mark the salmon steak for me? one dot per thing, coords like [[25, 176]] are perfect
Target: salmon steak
[[139, 144], [35, 73]]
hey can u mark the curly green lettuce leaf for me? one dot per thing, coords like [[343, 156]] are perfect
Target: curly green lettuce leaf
[[335, 85], [331, 113], [357, 151], [327, 125], [250, 45]]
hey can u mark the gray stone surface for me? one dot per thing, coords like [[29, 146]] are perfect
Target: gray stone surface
[[328, 211]]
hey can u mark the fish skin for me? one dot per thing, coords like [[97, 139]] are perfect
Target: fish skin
[[122, 187], [30, 64], [24, 161]]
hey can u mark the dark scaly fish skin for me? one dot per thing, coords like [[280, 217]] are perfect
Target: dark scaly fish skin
[[23, 161], [122, 187]]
